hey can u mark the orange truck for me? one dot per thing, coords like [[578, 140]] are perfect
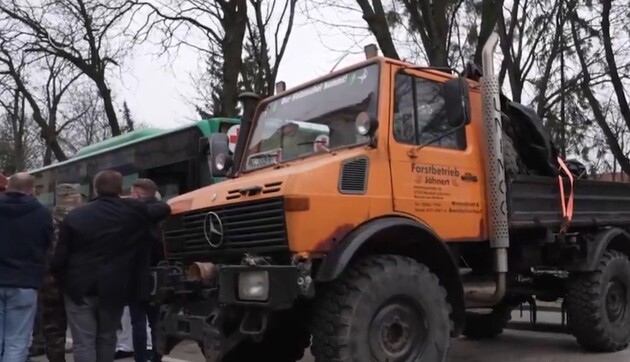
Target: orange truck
[[417, 205]]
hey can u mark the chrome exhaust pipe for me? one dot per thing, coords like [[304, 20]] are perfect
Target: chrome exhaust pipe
[[496, 187]]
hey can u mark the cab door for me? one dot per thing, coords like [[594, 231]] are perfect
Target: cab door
[[440, 183]]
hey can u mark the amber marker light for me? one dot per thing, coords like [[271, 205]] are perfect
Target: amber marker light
[[297, 203], [177, 207]]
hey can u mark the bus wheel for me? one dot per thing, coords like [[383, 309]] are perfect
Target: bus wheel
[[598, 305], [394, 303]]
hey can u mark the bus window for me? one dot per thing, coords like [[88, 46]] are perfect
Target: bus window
[[172, 180], [68, 196], [44, 188], [128, 181]]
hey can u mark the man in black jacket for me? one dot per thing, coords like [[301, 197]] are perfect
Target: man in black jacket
[[100, 247], [26, 232], [146, 191]]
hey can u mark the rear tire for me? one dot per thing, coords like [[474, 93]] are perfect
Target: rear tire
[[393, 303], [598, 305]]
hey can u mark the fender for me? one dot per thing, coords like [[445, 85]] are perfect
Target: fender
[[428, 249], [337, 260], [606, 239]]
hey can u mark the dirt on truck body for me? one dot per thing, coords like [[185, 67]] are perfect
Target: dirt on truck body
[[416, 205]]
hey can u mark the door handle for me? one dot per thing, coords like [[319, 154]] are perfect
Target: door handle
[[469, 177]]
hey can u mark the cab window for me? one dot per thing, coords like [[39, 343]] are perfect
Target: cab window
[[420, 114]]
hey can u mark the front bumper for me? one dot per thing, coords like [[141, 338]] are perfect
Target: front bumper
[[170, 281], [214, 313]]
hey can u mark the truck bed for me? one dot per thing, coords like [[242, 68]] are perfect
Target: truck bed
[[534, 202]]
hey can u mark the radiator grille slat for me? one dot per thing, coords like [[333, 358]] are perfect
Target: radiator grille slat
[[247, 226]]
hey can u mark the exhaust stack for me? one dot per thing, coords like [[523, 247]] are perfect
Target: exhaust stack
[[249, 103], [495, 177]]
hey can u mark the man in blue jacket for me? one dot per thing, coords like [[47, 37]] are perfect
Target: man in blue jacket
[[26, 233]]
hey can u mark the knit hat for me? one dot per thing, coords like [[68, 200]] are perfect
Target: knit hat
[[4, 181]]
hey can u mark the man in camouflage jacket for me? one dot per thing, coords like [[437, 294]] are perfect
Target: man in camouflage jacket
[[53, 312]]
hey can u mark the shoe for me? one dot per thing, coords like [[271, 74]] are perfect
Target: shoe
[[36, 351], [122, 354]]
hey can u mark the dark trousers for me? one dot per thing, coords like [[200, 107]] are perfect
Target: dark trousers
[[49, 330], [54, 322], [93, 330], [141, 313]]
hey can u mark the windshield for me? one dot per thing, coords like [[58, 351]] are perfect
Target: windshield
[[313, 120]]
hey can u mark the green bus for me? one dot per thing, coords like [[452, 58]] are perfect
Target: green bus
[[176, 159]]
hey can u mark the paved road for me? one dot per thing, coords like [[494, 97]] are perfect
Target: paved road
[[514, 345]]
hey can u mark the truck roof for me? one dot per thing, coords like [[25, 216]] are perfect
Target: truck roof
[[379, 59]]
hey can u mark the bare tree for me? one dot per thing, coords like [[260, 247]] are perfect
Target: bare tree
[[588, 45], [215, 28], [89, 34], [14, 131], [89, 120], [261, 26], [444, 33], [13, 65]]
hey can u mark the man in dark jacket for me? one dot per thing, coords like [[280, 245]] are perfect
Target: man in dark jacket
[[26, 232], [95, 261], [146, 191]]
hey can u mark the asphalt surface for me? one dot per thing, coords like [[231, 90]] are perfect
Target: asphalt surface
[[546, 343]]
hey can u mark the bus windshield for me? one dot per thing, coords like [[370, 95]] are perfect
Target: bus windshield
[[315, 119]]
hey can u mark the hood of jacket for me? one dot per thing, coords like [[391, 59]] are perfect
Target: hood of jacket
[[16, 204]]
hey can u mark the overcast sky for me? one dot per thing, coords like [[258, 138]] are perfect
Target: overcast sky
[[157, 89]]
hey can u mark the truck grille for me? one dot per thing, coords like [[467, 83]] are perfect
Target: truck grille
[[254, 226]]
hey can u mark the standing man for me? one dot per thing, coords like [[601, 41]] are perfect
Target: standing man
[[26, 233], [53, 312], [146, 191], [95, 262]]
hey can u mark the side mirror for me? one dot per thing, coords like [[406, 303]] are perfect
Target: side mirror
[[219, 157], [457, 100], [365, 124]]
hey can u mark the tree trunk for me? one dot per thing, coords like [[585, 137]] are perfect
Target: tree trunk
[[110, 112], [235, 25], [376, 21]]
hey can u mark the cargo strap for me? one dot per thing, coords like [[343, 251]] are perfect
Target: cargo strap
[[567, 208]]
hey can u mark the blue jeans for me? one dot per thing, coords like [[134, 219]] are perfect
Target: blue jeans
[[17, 315], [139, 314]]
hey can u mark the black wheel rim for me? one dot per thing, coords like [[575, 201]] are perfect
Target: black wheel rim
[[616, 302], [398, 331]]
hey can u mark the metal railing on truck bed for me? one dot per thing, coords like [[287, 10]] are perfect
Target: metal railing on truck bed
[[536, 202]]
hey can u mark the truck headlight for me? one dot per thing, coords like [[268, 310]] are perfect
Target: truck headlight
[[253, 285]]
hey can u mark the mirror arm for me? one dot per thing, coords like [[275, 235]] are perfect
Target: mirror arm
[[413, 153]]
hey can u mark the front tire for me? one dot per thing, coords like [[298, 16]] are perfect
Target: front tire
[[392, 302], [598, 305]]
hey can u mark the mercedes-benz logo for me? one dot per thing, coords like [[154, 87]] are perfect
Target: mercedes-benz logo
[[213, 229]]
